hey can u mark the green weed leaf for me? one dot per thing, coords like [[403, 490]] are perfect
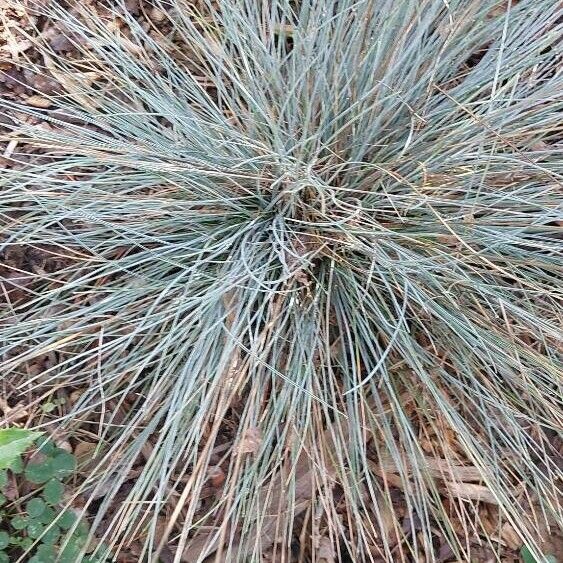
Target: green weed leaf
[[13, 443], [528, 557], [16, 466]]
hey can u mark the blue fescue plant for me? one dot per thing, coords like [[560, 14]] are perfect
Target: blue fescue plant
[[311, 246]]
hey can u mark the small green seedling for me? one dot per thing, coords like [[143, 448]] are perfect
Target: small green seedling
[[52, 405], [36, 527]]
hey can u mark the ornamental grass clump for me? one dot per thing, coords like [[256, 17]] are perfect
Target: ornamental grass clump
[[307, 291]]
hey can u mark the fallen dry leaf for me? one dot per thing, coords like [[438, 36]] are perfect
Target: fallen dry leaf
[[510, 537], [250, 442], [157, 15], [10, 490], [325, 551], [39, 102], [14, 48], [84, 452], [16, 413], [216, 475]]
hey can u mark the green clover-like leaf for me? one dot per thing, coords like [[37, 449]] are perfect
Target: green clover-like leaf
[[39, 472], [53, 491], [64, 464], [46, 446], [19, 522], [70, 553], [51, 536], [26, 543], [35, 507], [67, 519], [46, 553], [34, 529], [4, 539], [49, 515]]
